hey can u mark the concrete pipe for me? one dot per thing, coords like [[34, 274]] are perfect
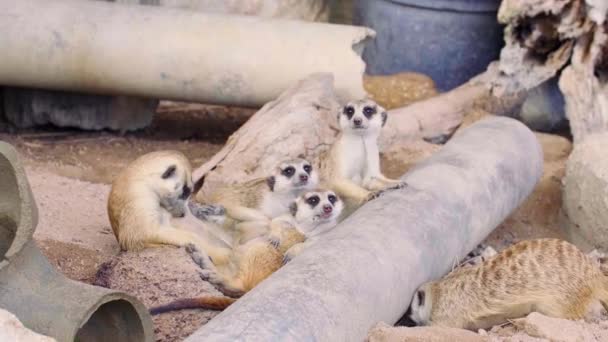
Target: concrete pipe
[[149, 51], [43, 299], [367, 269]]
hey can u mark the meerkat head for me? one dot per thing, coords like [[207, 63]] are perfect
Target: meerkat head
[[422, 304], [315, 208], [172, 175], [362, 117], [293, 175]]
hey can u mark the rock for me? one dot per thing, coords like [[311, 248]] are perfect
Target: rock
[[585, 192], [544, 108], [559, 330], [383, 332], [11, 329], [26, 108]]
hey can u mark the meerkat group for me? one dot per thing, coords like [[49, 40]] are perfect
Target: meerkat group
[[262, 223], [311, 214], [549, 276]]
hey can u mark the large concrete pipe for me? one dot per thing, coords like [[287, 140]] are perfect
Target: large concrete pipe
[[102, 47], [43, 299], [367, 268]]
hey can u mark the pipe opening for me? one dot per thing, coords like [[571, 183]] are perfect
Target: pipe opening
[[10, 205], [115, 321]]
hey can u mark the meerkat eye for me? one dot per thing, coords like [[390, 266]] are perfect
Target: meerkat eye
[[369, 111], [170, 171], [307, 168], [349, 111], [332, 199], [313, 201], [421, 296], [288, 171]]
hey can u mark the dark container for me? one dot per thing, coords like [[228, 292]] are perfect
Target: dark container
[[449, 40]]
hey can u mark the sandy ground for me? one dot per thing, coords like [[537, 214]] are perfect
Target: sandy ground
[[70, 172]]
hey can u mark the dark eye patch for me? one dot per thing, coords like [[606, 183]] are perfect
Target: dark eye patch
[[288, 171], [368, 111], [307, 168], [332, 198], [421, 296], [313, 200], [169, 172], [349, 111]]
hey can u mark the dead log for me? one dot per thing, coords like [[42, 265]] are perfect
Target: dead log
[[303, 121], [585, 81]]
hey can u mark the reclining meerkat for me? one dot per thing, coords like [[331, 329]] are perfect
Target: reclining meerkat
[[548, 276], [251, 205], [147, 196], [352, 165], [312, 213]]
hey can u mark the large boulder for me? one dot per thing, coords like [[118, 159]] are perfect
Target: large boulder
[[585, 194]]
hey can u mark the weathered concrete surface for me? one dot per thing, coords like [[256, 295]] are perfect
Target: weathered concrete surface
[[367, 268], [585, 194], [43, 299], [11, 329], [150, 51]]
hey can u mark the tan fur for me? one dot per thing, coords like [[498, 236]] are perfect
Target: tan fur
[[351, 167], [257, 259], [549, 276], [136, 216], [250, 206]]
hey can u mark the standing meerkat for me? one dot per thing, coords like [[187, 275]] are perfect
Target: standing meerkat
[[548, 276], [147, 196], [352, 165], [251, 205], [312, 214]]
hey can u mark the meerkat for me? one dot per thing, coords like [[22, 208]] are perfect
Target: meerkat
[[311, 214], [351, 167], [145, 199], [250, 206], [548, 276]]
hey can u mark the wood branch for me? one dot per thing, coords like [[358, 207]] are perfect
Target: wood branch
[[539, 38], [585, 83]]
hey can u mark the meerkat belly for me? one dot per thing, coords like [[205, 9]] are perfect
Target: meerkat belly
[[274, 205], [353, 159]]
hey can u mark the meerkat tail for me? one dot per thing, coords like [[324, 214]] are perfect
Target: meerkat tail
[[204, 302]]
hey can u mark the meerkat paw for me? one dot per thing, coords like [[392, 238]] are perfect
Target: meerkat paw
[[207, 212], [274, 241], [201, 259], [397, 185], [292, 252], [212, 277]]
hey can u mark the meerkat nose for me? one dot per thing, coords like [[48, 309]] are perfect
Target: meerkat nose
[[357, 122], [327, 208], [304, 178]]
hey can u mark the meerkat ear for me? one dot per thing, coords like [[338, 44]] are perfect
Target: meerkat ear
[[271, 182], [384, 118], [170, 171], [293, 208], [198, 184]]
